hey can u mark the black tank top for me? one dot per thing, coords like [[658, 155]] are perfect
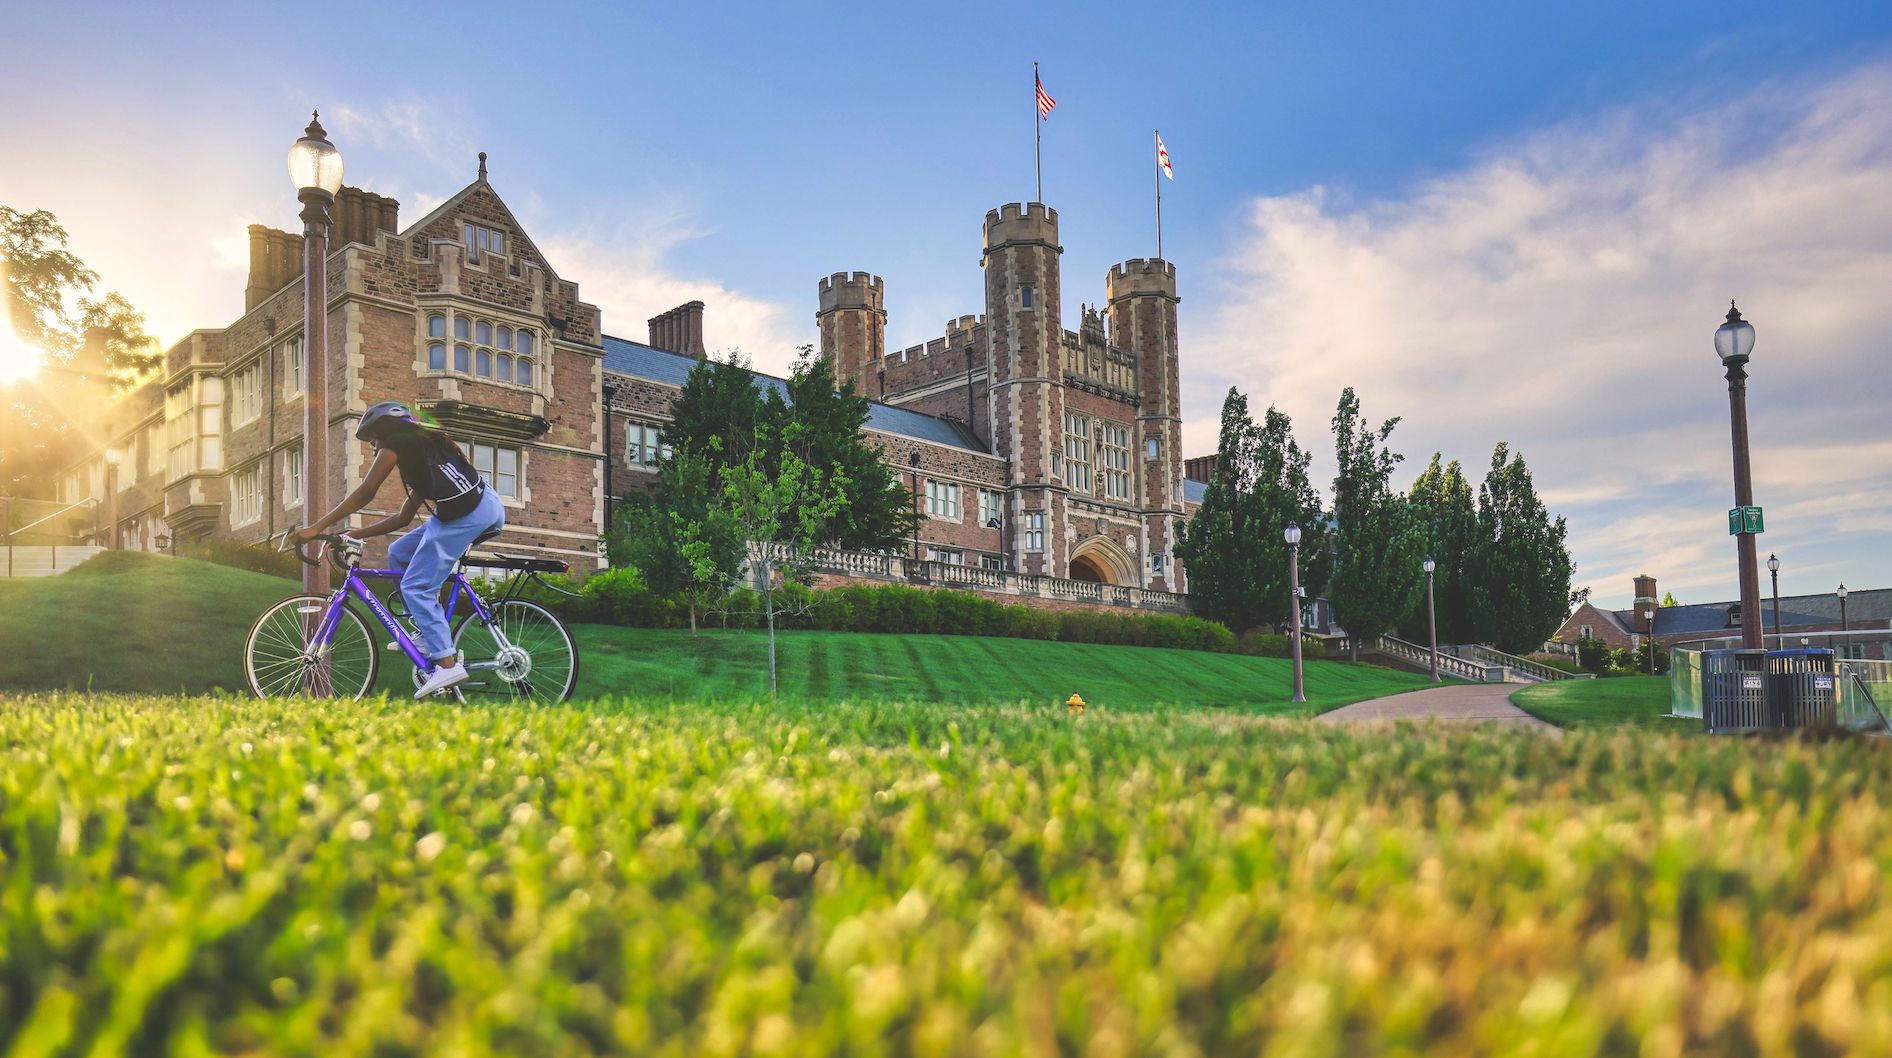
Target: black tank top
[[433, 466]]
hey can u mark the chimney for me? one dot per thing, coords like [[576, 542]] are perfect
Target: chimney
[[275, 260], [358, 214], [679, 330], [1645, 602]]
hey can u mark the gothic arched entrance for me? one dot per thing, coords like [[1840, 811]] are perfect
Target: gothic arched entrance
[[1100, 561]]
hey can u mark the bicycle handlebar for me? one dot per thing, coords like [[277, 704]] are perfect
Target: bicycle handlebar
[[336, 543]]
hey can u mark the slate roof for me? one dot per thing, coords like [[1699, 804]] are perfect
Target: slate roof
[[671, 369], [1703, 618], [1194, 491], [1864, 605]]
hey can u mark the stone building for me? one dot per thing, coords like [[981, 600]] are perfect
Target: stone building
[[1036, 452]]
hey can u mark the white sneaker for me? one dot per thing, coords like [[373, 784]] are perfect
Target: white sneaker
[[441, 679]]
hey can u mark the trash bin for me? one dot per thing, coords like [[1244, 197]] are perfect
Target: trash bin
[[1734, 690], [1802, 688]]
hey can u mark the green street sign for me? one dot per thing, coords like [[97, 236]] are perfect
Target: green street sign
[[1745, 520]]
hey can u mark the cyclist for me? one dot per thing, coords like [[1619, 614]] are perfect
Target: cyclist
[[435, 473]]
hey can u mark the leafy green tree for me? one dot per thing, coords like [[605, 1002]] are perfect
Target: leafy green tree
[[48, 303], [1233, 547], [682, 537], [782, 505], [1668, 599], [1447, 514], [877, 511], [1379, 545], [717, 414], [1524, 568]]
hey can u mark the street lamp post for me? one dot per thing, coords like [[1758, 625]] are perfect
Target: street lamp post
[[1842, 607], [1649, 642], [315, 167], [1773, 571], [610, 393], [1734, 342], [913, 460], [1432, 620], [1293, 536], [113, 457]]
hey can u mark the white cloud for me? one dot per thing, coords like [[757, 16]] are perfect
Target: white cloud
[[1560, 293], [619, 264]]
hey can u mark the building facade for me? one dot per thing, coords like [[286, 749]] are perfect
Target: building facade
[[1862, 629], [1031, 449]]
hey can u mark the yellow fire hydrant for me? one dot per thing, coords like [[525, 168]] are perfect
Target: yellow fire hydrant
[[1074, 705]]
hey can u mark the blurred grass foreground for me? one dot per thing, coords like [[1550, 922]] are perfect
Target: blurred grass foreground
[[216, 876]]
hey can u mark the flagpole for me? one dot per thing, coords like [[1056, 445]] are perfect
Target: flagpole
[[1037, 141], [1156, 176]]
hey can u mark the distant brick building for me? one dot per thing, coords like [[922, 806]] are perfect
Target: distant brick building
[[1029, 447], [1808, 616]]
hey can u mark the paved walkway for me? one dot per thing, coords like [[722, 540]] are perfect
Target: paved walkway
[[1488, 703]]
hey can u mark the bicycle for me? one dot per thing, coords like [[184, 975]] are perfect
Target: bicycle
[[316, 645]]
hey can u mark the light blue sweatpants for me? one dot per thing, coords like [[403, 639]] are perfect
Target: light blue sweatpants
[[426, 558]]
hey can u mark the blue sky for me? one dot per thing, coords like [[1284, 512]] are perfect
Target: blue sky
[[1491, 218]]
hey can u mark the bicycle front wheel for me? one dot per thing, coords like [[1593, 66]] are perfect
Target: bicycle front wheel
[[525, 654], [279, 660]]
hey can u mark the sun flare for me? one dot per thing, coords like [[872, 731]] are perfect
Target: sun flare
[[17, 358]]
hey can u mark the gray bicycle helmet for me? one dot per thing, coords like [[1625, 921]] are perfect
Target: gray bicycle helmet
[[383, 418]]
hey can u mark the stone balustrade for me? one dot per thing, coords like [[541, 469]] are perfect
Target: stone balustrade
[[900, 569]]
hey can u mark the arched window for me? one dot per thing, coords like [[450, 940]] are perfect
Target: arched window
[[484, 363], [483, 333], [505, 337], [436, 326], [462, 328], [436, 356], [505, 367], [460, 356]]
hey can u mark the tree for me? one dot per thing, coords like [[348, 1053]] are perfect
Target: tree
[[48, 305], [1447, 516], [1379, 546], [717, 414], [1233, 547], [1523, 587], [877, 511], [682, 538], [1668, 599], [782, 505]]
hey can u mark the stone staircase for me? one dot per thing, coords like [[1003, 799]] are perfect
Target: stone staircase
[[43, 560]]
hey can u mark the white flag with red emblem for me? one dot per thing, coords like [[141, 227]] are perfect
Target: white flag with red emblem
[[1162, 158]]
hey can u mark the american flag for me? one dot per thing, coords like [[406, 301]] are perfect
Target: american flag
[[1045, 102]]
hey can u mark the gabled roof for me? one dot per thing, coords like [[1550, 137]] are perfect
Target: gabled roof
[[1865, 605], [453, 202], [671, 369], [1194, 491]]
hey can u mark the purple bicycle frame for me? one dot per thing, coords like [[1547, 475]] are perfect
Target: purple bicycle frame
[[356, 582]]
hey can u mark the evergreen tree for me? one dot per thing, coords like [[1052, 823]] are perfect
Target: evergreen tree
[[1233, 546], [1447, 514], [682, 538], [1379, 545], [1523, 587], [1668, 599], [877, 511], [717, 414]]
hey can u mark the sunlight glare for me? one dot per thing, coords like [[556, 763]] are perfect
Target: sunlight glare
[[17, 359]]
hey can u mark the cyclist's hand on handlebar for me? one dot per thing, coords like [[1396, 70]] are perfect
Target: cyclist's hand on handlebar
[[303, 535]]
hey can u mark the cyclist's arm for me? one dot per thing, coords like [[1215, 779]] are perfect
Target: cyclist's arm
[[392, 522], [384, 463]]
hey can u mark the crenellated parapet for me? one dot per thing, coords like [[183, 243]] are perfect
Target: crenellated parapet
[[852, 290], [1021, 223], [1141, 276]]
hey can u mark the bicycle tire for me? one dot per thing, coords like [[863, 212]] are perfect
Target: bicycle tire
[[534, 629], [273, 672]]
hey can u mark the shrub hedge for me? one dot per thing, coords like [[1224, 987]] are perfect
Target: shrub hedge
[[620, 596]]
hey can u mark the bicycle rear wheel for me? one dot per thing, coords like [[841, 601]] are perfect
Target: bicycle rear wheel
[[278, 662], [535, 661]]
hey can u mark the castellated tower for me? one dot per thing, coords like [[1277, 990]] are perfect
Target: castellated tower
[[853, 322], [1142, 296], [1024, 333]]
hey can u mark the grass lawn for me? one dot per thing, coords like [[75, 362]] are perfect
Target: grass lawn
[[132, 622], [127, 621], [219, 875], [1619, 701]]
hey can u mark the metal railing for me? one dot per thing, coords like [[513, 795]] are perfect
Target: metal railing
[[1522, 666], [8, 533]]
